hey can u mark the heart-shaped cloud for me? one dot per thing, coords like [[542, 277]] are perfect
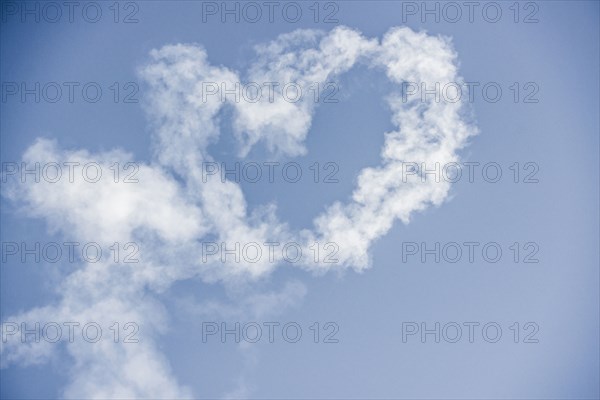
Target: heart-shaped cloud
[[174, 207]]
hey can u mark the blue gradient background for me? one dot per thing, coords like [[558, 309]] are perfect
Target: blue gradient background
[[560, 213]]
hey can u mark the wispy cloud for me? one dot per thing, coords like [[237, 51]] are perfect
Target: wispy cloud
[[170, 210]]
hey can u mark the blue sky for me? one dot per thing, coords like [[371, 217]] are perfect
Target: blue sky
[[369, 298]]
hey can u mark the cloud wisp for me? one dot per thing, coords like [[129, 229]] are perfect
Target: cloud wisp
[[172, 209]]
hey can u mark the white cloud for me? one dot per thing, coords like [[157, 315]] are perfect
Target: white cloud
[[171, 209]]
